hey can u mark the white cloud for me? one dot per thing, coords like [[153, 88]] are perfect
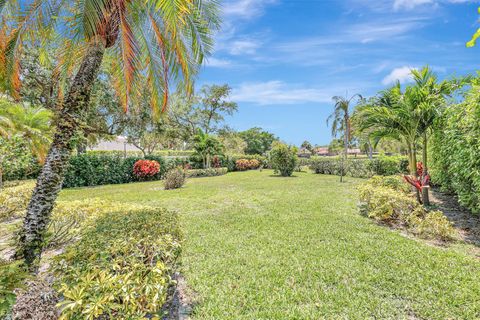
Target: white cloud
[[245, 8], [402, 74], [218, 63], [409, 4], [280, 93], [241, 47]]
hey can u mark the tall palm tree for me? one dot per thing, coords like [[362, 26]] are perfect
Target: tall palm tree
[[341, 122], [431, 107], [148, 43], [393, 114]]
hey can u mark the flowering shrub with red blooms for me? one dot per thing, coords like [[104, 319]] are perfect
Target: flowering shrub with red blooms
[[421, 181], [187, 166], [146, 168], [245, 164]]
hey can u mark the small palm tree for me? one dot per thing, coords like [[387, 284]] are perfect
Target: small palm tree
[[341, 122], [142, 44]]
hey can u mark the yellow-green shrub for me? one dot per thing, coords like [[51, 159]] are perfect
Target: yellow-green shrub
[[389, 200], [14, 199], [121, 267]]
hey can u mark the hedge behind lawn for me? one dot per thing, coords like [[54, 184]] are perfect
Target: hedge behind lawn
[[94, 169], [360, 168]]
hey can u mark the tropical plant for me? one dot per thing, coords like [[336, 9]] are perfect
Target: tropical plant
[[141, 44], [206, 146], [341, 122]]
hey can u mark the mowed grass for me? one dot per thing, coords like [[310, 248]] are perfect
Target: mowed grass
[[264, 247]]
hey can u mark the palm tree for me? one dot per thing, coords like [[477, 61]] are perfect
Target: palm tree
[[30, 123], [148, 43], [393, 114], [341, 122], [33, 124]]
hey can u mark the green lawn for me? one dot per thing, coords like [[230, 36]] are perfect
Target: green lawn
[[264, 247]]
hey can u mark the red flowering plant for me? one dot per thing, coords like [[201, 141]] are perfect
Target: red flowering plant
[[145, 169], [421, 180]]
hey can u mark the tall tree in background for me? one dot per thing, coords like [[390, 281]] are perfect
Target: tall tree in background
[[258, 140], [141, 43], [341, 122], [205, 111]]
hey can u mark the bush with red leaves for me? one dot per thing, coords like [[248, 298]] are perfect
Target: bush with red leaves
[[144, 169]]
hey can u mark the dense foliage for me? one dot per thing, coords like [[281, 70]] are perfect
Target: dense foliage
[[359, 168], [146, 169], [122, 266], [455, 153], [247, 164], [209, 172], [258, 141], [94, 169], [16, 160], [174, 179], [283, 159], [389, 200]]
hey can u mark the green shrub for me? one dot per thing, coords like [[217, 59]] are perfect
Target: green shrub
[[12, 276], [454, 153], [390, 200], [92, 169], [359, 168], [174, 179], [283, 159], [211, 172], [121, 268]]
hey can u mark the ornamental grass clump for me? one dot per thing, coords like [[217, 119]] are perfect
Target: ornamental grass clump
[[174, 179]]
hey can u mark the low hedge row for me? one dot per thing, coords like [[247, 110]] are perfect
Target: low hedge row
[[359, 168], [391, 201], [93, 169], [211, 172]]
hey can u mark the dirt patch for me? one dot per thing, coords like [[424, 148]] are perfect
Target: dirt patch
[[466, 223], [181, 302]]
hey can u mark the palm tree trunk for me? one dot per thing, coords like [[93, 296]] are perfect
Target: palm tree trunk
[[425, 189], [49, 182], [424, 155]]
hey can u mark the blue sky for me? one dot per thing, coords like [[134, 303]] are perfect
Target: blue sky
[[285, 59]]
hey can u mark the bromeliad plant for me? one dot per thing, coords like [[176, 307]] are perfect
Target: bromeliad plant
[[420, 181]]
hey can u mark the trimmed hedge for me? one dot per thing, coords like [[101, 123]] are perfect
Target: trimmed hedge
[[231, 161], [360, 168], [94, 169], [211, 172]]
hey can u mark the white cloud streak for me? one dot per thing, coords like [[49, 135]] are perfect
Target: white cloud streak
[[277, 92], [402, 74]]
